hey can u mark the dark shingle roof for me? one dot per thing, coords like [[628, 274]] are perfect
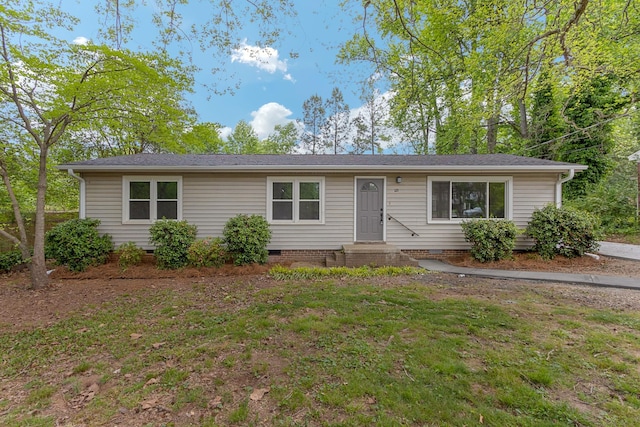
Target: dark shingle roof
[[253, 162]]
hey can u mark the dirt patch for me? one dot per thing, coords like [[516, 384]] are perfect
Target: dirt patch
[[69, 293]]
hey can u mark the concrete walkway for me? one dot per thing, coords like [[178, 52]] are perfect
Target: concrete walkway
[[618, 250]]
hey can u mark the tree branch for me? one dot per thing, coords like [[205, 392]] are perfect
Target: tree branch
[[582, 7], [23, 241], [13, 94]]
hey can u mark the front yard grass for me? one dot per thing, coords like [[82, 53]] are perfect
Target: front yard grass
[[333, 352]]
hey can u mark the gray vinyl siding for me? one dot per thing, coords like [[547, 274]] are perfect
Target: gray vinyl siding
[[531, 192], [338, 221], [407, 202], [209, 200]]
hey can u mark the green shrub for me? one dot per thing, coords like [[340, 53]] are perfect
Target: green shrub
[[172, 240], [129, 254], [10, 259], [613, 200], [613, 205], [77, 244], [563, 231], [280, 272], [246, 237], [491, 240], [207, 253]]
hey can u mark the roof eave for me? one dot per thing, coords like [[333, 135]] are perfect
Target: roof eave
[[325, 168]]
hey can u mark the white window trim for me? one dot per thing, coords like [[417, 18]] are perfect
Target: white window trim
[[507, 180], [296, 199], [153, 179]]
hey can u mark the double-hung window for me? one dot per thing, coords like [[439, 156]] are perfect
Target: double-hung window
[[295, 199], [146, 199], [455, 198]]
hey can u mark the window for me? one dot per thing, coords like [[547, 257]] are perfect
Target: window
[[295, 200], [459, 198], [146, 199]]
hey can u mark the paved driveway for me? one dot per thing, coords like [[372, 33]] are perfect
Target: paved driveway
[[620, 250]]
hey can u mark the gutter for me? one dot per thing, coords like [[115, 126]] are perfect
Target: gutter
[[81, 210], [559, 183], [495, 169]]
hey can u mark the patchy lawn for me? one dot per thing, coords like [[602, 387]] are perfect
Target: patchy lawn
[[235, 347]]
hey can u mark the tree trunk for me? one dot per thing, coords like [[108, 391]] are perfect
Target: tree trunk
[[424, 130], [39, 277], [524, 127], [492, 133]]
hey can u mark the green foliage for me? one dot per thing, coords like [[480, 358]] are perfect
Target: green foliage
[[129, 254], [563, 231], [282, 140], [280, 272], [491, 240], [207, 253], [243, 140], [246, 237], [613, 199], [614, 204], [313, 118], [77, 244], [370, 124], [476, 60], [338, 126], [172, 240], [203, 138], [545, 124], [589, 107], [10, 259], [86, 90]]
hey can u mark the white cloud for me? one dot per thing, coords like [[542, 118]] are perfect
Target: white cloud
[[225, 132], [83, 41], [264, 58], [268, 116]]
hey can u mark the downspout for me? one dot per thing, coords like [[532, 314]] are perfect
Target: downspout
[[559, 183], [81, 210]]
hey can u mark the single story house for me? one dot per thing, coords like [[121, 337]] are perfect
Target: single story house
[[315, 204]]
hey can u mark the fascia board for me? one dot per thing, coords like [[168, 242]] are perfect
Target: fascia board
[[323, 168]]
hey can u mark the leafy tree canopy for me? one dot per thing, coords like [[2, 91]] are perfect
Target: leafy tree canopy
[[465, 70], [55, 97]]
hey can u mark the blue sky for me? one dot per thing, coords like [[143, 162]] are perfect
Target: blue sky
[[273, 82]]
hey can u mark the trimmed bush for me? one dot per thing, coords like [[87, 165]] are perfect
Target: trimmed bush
[[207, 253], [77, 244], [172, 240], [129, 255], [10, 259], [246, 237], [491, 240], [563, 231]]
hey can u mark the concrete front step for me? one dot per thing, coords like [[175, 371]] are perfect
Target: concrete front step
[[375, 255]]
